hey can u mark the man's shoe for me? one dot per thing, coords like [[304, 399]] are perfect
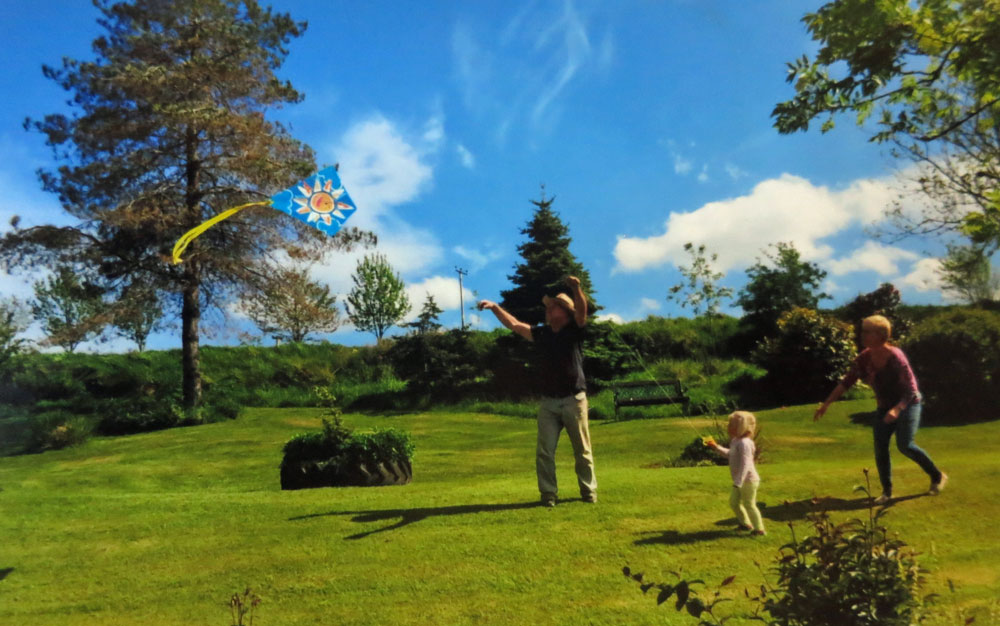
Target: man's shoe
[[882, 499], [548, 502], [591, 499], [938, 487]]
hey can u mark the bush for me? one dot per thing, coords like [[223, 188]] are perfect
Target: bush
[[883, 301], [440, 363], [55, 430], [956, 358], [848, 574], [809, 354], [658, 338], [337, 457]]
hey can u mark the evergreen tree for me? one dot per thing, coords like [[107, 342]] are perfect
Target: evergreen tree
[[547, 263], [378, 299], [170, 127], [427, 321]]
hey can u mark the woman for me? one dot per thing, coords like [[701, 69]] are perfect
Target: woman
[[885, 368]]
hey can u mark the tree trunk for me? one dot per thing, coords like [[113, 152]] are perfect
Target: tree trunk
[[191, 311], [191, 361]]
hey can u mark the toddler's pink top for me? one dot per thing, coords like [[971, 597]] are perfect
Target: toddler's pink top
[[741, 465]]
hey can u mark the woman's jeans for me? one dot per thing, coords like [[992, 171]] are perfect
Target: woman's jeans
[[905, 428]]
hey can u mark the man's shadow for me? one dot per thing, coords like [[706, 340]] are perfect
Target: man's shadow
[[411, 516], [5, 572], [795, 511]]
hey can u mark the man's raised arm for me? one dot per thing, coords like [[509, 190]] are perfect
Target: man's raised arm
[[507, 319], [579, 301]]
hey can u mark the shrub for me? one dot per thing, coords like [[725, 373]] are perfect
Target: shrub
[[55, 430], [883, 301], [847, 574], [808, 355], [657, 338], [337, 457], [956, 358]]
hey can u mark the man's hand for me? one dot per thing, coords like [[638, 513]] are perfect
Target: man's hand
[[572, 282], [486, 304]]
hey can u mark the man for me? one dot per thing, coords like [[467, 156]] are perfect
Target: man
[[564, 388]]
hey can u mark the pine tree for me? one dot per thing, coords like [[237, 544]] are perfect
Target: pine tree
[[171, 125], [547, 263], [427, 321]]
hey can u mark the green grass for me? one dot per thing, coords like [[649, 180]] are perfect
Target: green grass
[[163, 527]]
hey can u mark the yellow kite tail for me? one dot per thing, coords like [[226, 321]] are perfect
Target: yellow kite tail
[[192, 234]]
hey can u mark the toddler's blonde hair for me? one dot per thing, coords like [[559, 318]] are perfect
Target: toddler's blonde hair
[[743, 423]]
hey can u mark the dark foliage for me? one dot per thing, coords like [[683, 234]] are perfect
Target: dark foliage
[[956, 358]]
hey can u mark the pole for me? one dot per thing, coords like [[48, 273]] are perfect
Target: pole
[[461, 293]]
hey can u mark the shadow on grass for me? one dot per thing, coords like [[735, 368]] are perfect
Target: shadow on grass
[[676, 538], [794, 511], [5, 572], [411, 516]]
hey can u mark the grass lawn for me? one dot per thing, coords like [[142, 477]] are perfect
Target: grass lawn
[[162, 528]]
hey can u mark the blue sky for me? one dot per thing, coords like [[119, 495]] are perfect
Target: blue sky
[[648, 121]]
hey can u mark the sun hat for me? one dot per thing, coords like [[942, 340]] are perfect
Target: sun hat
[[561, 299]]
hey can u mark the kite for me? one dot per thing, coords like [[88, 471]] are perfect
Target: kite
[[320, 201]]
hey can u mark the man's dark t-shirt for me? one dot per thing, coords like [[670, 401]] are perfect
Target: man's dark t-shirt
[[560, 360]]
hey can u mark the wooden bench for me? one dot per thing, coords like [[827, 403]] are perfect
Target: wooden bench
[[647, 393]]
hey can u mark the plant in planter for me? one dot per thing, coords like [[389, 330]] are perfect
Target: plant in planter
[[337, 457]]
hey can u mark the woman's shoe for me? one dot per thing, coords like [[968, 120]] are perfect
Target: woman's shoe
[[938, 487]]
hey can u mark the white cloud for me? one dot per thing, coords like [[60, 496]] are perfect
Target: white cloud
[[611, 317], [444, 289], [788, 208], [384, 167], [874, 257], [477, 260], [544, 49], [734, 171], [380, 168], [467, 159], [924, 275], [703, 175], [831, 287], [682, 166], [649, 304]]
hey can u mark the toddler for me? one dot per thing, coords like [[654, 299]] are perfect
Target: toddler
[[743, 498]]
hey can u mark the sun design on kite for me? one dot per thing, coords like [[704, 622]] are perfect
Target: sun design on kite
[[321, 201]]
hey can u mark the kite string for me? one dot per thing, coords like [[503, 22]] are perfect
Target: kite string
[[192, 234], [642, 363]]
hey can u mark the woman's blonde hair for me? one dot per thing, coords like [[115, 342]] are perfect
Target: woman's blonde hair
[[879, 323], [744, 422]]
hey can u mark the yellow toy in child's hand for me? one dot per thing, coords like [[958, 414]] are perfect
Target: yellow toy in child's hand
[[708, 441]]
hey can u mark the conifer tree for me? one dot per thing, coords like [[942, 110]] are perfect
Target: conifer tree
[[427, 321], [547, 262], [171, 124]]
